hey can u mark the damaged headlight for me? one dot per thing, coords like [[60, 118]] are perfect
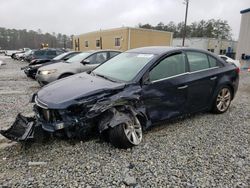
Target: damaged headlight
[[46, 72]]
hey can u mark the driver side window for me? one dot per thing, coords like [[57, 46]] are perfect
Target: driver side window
[[168, 67]]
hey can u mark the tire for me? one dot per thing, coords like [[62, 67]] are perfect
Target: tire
[[65, 75], [222, 100], [127, 134]]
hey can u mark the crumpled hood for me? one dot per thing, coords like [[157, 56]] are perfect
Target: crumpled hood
[[64, 92]]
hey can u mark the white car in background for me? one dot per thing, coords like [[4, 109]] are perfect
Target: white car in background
[[230, 60], [11, 52]]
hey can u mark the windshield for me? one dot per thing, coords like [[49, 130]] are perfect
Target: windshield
[[124, 67], [78, 58], [59, 57]]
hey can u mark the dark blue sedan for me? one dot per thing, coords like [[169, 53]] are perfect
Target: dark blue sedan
[[131, 92]]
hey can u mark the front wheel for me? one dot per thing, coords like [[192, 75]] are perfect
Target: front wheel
[[222, 100], [127, 134]]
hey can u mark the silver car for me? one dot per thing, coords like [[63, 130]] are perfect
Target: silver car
[[82, 62]]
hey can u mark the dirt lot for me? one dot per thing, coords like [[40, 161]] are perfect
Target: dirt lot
[[204, 150], [15, 91]]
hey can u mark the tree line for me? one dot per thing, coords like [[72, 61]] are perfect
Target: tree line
[[16, 39], [211, 28]]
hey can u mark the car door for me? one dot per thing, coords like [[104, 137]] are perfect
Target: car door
[[201, 80], [165, 95], [94, 60]]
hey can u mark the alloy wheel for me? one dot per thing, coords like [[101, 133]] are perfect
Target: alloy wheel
[[223, 99], [133, 131]]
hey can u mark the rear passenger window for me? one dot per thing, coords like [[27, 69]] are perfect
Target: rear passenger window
[[197, 61], [212, 61], [170, 66]]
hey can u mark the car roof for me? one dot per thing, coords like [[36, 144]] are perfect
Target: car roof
[[109, 50], [49, 49], [160, 50], [153, 49]]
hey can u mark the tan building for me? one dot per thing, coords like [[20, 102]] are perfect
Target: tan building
[[121, 39]]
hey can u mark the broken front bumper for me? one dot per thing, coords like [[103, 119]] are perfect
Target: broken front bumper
[[21, 130]]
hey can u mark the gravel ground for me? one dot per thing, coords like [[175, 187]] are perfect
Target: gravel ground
[[204, 150]]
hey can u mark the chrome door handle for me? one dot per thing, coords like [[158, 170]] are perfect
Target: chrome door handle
[[213, 78], [183, 87]]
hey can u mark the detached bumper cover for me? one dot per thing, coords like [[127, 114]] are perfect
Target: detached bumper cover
[[21, 130]]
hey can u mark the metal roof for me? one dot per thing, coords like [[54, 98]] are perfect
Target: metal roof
[[245, 11]]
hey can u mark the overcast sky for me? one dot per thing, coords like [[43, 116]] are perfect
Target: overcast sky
[[80, 16]]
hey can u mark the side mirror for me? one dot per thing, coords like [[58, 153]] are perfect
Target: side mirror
[[85, 61]]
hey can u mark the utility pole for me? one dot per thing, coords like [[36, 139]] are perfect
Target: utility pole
[[185, 25]]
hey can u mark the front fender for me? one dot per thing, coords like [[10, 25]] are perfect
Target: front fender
[[118, 115], [112, 118]]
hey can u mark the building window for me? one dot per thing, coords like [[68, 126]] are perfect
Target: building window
[[76, 44], [86, 43], [117, 41], [98, 43], [210, 50], [222, 52]]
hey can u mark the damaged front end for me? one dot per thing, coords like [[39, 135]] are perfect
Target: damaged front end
[[82, 118], [47, 121]]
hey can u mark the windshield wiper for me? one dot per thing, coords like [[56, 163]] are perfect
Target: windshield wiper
[[105, 77]]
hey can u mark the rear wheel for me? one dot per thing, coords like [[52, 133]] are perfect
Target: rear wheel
[[222, 100], [127, 134]]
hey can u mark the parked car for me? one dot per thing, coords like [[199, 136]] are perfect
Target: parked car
[[62, 57], [48, 53], [19, 52], [18, 56], [32, 68], [82, 62], [129, 93], [230, 60], [29, 55], [10, 52]]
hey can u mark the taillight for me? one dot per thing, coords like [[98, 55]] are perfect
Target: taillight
[[237, 70], [248, 69]]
